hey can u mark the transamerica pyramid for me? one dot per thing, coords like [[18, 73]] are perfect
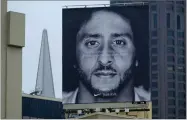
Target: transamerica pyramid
[[44, 81]]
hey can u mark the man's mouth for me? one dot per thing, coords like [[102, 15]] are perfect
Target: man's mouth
[[105, 73]]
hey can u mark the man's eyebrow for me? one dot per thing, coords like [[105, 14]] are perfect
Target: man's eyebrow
[[116, 35], [90, 35]]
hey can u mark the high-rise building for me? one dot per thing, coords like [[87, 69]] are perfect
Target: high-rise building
[[167, 56]]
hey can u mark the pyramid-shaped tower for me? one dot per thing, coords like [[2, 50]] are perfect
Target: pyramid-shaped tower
[[44, 81]]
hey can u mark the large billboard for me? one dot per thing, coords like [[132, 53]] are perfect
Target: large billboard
[[105, 55]]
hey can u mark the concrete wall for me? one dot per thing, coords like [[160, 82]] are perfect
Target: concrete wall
[[12, 41]]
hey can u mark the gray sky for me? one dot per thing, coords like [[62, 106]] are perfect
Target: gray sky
[[40, 15]]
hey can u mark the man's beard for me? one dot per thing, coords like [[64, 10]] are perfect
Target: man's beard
[[127, 76]]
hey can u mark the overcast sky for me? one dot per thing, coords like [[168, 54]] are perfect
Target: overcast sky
[[40, 15]]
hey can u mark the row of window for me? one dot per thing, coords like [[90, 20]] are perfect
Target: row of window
[[171, 102], [180, 60], [168, 17], [170, 41], [170, 50], [171, 76]]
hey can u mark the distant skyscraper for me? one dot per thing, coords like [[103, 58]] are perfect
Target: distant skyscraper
[[167, 56], [44, 82]]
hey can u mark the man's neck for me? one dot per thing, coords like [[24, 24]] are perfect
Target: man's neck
[[126, 94]]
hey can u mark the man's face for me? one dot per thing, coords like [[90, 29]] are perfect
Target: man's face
[[105, 51]]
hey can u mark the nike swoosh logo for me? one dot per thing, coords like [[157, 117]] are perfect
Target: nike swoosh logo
[[97, 94]]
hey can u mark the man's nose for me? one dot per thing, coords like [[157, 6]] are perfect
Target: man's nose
[[105, 57]]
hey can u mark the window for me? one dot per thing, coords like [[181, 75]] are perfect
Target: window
[[171, 117], [181, 77], [180, 9], [180, 2], [154, 85], [180, 69], [171, 76], [180, 34], [180, 43], [154, 50], [181, 51], [154, 67], [171, 111], [154, 93], [182, 86], [154, 75], [155, 20], [168, 20], [153, 7], [155, 102], [182, 112], [170, 59], [171, 50], [155, 111], [171, 68], [154, 33], [170, 41], [171, 102], [154, 58], [170, 33], [178, 22], [171, 85], [171, 94], [169, 7], [181, 103], [181, 60], [154, 42], [181, 95]]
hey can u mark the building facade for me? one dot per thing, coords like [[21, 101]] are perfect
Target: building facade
[[167, 56]]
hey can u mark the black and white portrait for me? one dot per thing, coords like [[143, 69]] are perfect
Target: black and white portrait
[[105, 55]]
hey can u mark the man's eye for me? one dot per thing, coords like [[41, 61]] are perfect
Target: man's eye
[[119, 42], [92, 44]]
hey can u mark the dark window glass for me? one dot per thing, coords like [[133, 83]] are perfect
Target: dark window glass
[[154, 93], [181, 103], [154, 67], [154, 58], [155, 20], [170, 41], [180, 2], [154, 50], [171, 50], [180, 9], [181, 60], [168, 20], [171, 111], [154, 75], [171, 117], [154, 42], [171, 102], [169, 7], [155, 111], [154, 33], [181, 69], [171, 33], [181, 77], [171, 94], [180, 34], [154, 84], [170, 59], [182, 86], [180, 43], [153, 7], [155, 102], [171, 76], [181, 51], [182, 112], [171, 68], [178, 22], [181, 95], [171, 85]]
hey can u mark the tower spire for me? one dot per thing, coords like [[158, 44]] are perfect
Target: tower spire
[[44, 81]]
